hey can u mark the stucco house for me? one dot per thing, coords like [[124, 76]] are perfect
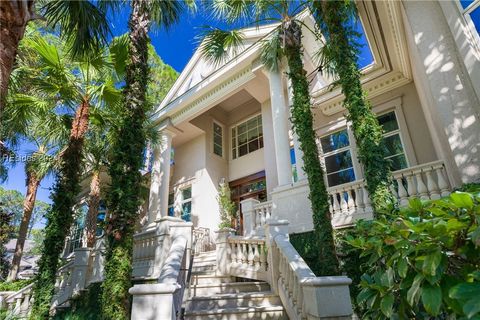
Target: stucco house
[[230, 123]]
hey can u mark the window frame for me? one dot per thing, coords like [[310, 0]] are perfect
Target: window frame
[[183, 201], [222, 146], [324, 155], [385, 106], [236, 146]]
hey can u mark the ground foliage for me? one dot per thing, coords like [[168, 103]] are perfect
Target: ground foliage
[[422, 261], [5, 233]]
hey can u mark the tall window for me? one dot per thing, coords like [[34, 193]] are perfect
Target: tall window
[[171, 204], [217, 139], [186, 203], [338, 158], [102, 214], [247, 137], [78, 227], [471, 12], [393, 142]]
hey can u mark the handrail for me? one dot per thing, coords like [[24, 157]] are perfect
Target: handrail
[[19, 292]]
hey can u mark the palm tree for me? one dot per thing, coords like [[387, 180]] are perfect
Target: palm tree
[[339, 56], [123, 198], [82, 25], [76, 87], [40, 163], [286, 42]]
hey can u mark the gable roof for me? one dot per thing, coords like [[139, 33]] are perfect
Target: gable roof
[[199, 68]]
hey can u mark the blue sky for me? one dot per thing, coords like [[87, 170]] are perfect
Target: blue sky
[[175, 46]]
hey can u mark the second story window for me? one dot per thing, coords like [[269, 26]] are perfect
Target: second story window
[[217, 139], [393, 142], [338, 158], [171, 204], [247, 137]]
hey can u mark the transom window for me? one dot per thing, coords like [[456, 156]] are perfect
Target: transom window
[[186, 203], [471, 12], [338, 158], [393, 142], [217, 139], [247, 137]]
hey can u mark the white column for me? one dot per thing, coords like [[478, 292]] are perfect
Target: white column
[[160, 178], [280, 129], [296, 144]]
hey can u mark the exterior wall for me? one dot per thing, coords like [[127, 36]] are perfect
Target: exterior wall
[[445, 84]]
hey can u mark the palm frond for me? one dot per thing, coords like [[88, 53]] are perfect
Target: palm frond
[[272, 52], [166, 13], [218, 45], [82, 24], [230, 10]]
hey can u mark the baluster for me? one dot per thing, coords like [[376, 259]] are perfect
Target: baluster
[[239, 252], [402, 193], [359, 200], [264, 214], [263, 257], [233, 253], [366, 200], [411, 188], [258, 218], [343, 202], [256, 255], [336, 204], [432, 185], [442, 182], [350, 202], [244, 253], [251, 254], [421, 187], [291, 282], [269, 212]]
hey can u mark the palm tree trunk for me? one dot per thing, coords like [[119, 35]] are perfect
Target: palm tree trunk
[[93, 204], [28, 205], [366, 129], [302, 121], [60, 216], [14, 16], [126, 162]]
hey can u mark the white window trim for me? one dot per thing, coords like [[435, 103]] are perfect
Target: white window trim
[[212, 140], [395, 105], [182, 200], [236, 124]]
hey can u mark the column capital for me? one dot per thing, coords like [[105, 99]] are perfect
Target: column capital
[[166, 127]]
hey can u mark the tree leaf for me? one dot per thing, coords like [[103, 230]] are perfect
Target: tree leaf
[[402, 267], [386, 305], [465, 291], [414, 291], [415, 204], [472, 307], [432, 298], [431, 262], [462, 199]]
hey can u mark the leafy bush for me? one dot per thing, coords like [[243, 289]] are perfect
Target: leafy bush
[[14, 285], [227, 207], [83, 307], [422, 261]]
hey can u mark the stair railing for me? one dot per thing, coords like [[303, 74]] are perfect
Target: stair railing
[[164, 299], [18, 304], [303, 295]]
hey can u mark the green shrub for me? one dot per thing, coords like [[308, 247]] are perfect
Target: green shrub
[[14, 285], [86, 306], [423, 261]]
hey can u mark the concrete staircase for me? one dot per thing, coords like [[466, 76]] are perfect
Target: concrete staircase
[[211, 296]]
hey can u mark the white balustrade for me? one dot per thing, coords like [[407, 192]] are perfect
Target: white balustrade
[[248, 257], [350, 202], [202, 241], [144, 248], [17, 304]]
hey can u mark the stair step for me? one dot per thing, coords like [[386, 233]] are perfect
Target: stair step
[[206, 268], [209, 278], [231, 287], [271, 312], [206, 255], [233, 300]]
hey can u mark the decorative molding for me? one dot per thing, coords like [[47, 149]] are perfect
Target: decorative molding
[[213, 95], [394, 17], [374, 88]]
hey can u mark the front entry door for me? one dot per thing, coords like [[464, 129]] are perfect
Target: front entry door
[[253, 186]]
